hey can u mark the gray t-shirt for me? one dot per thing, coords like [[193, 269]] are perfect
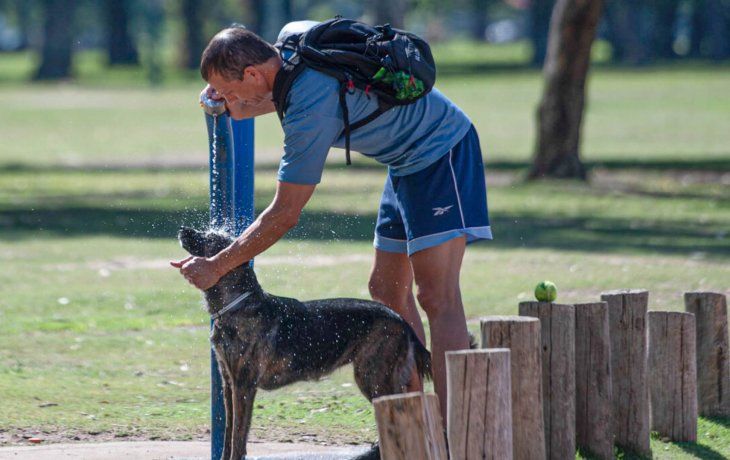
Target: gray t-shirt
[[405, 138]]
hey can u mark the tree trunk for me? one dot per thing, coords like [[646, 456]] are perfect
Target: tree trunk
[[718, 29], [192, 15], [120, 46], [698, 28], [626, 32], [57, 40], [663, 20], [540, 11], [572, 30], [390, 11], [255, 15], [287, 12], [479, 12], [23, 12]]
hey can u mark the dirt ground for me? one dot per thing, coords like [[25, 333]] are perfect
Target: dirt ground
[[152, 450]]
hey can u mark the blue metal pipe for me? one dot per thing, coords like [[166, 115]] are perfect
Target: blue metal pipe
[[231, 208]]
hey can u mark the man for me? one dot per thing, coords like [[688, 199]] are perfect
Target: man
[[433, 204]]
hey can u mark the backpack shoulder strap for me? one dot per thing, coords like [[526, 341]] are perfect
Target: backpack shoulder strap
[[282, 84], [291, 67]]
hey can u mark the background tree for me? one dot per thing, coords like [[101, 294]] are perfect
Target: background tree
[[663, 21], [152, 18], [572, 31], [23, 11], [255, 15], [697, 28], [58, 34], [390, 11], [194, 13], [479, 16], [717, 20], [287, 11], [121, 48], [626, 32], [540, 11]]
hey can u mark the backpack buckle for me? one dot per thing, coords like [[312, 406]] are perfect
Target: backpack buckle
[[350, 85]]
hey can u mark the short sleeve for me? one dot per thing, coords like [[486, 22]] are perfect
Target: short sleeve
[[310, 128]]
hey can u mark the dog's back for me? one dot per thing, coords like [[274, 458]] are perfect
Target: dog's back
[[308, 340]]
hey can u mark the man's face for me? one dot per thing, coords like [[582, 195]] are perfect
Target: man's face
[[251, 90]]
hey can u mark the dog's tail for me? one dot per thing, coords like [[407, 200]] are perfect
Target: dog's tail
[[422, 357], [473, 344]]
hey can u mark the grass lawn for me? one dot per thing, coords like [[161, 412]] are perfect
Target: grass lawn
[[100, 339]]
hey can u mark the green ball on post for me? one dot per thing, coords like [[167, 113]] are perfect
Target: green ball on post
[[546, 292]]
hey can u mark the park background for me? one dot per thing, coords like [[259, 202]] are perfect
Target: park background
[[103, 155]]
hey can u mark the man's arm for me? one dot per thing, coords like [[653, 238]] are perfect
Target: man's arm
[[281, 215], [276, 220]]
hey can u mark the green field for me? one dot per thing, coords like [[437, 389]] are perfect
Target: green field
[[100, 339]]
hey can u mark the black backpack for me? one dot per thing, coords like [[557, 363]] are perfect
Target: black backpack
[[395, 65]]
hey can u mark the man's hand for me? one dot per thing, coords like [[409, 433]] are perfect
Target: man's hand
[[211, 93], [237, 109], [199, 271]]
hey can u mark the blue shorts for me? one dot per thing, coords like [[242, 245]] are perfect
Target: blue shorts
[[445, 200]]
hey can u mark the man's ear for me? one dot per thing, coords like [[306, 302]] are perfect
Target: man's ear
[[252, 72]]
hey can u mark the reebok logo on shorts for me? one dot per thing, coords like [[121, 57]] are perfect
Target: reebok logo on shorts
[[441, 211]]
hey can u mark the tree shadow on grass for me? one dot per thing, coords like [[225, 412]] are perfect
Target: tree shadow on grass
[[721, 164], [724, 421], [700, 451], [689, 165], [512, 230]]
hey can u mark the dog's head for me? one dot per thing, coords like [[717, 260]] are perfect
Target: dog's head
[[209, 243], [203, 244]]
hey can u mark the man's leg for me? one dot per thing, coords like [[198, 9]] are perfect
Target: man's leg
[[436, 271], [391, 283]]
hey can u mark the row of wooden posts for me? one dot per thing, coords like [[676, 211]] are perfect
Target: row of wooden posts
[[563, 377]]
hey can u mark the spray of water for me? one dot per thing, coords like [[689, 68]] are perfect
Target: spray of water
[[214, 179]]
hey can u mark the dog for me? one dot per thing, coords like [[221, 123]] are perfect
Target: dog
[[265, 341]]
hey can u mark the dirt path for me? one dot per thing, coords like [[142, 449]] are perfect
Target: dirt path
[[149, 450]]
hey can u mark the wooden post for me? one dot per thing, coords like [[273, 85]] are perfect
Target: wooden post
[[713, 353], [593, 428], [409, 426], [557, 332], [522, 337], [673, 375], [627, 324], [479, 404]]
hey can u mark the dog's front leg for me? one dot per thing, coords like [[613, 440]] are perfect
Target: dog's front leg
[[243, 395], [228, 404]]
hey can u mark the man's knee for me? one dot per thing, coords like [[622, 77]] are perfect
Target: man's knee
[[438, 301], [388, 292]]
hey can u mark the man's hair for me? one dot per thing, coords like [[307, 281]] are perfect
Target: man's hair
[[231, 51]]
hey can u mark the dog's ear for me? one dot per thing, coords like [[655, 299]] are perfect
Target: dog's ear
[[216, 241], [192, 241]]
